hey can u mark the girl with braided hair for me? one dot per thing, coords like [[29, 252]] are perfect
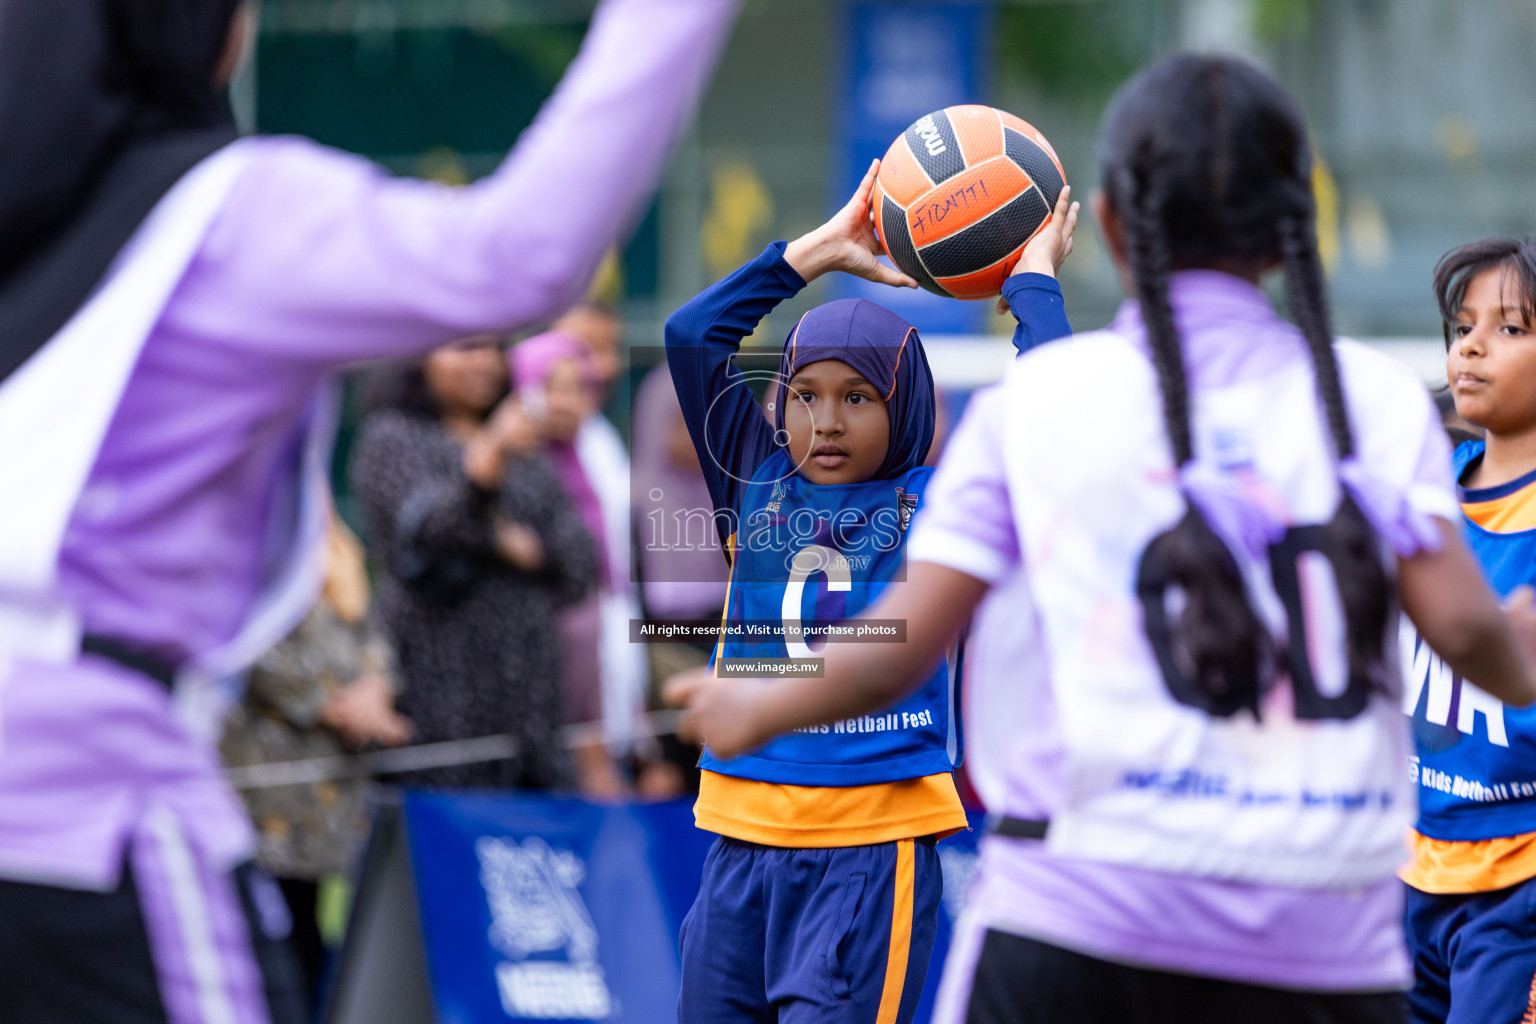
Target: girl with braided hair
[[1182, 705]]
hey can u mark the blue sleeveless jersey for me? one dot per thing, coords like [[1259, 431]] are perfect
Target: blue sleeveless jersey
[[811, 556], [1476, 764]]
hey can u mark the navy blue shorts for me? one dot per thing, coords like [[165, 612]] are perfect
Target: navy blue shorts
[[1474, 956], [803, 936]]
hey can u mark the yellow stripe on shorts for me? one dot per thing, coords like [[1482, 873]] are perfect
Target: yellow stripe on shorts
[[901, 933]]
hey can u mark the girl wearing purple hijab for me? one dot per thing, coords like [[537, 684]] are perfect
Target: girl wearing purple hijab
[[819, 901], [173, 303]]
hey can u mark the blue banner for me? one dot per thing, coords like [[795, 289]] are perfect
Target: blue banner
[[537, 908], [901, 61], [495, 907]]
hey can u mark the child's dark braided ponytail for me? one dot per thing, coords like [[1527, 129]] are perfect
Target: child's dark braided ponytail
[[1309, 308], [1147, 245], [1205, 162], [1353, 546], [1216, 652]]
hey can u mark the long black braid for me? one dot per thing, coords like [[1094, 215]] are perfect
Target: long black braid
[[1220, 642], [1364, 587], [1309, 308], [1147, 245], [1206, 163]]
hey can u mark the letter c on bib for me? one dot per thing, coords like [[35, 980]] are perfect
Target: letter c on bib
[[809, 561]]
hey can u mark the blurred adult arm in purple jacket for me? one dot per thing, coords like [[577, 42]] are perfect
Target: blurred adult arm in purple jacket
[[321, 256]]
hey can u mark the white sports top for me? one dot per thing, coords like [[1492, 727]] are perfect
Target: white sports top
[[1051, 489]]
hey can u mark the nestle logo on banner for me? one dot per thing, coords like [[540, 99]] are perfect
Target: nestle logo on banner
[[540, 923]]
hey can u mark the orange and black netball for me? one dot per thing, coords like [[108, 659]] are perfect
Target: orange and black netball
[[959, 195]]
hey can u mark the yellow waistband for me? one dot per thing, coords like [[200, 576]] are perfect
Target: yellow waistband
[[822, 816], [1445, 866]]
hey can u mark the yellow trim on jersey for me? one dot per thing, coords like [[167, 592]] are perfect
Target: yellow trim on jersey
[[901, 933], [826, 816], [725, 609], [1513, 513], [1445, 866]]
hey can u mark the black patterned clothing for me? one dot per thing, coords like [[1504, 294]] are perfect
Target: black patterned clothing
[[477, 638]]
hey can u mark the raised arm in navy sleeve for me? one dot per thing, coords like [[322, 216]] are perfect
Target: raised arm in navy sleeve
[[729, 430], [1036, 303]]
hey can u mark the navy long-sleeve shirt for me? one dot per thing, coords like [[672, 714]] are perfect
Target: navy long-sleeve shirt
[[730, 432]]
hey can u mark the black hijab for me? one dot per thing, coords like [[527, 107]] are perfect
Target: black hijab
[[104, 105]]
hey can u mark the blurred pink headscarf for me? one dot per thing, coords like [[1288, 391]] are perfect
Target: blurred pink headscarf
[[531, 363]]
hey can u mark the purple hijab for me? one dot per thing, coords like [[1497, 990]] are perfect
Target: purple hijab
[[885, 350]]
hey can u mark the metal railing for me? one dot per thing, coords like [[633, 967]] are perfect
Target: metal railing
[[420, 756]]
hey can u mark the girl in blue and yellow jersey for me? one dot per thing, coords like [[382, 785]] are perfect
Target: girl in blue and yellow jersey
[[819, 901], [1472, 877]]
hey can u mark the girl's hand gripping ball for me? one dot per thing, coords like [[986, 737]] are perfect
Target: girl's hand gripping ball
[[1048, 250], [847, 242]]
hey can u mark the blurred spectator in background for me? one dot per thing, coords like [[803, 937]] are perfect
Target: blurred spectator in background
[[682, 566], [599, 325], [481, 547], [603, 454], [328, 689], [559, 380]]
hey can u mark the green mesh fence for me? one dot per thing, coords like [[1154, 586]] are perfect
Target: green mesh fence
[[416, 99]]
